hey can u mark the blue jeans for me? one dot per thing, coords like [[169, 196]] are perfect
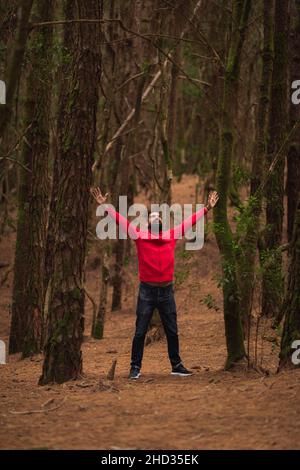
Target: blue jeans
[[149, 298]]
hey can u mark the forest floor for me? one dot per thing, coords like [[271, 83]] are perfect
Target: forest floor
[[213, 409]]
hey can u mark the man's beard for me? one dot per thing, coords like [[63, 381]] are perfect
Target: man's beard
[[155, 227]]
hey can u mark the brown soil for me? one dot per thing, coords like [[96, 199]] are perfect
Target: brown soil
[[213, 409]]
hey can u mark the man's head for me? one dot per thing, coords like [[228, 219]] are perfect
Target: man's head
[[154, 222]]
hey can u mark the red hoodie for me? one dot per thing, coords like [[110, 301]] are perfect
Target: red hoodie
[[155, 252]]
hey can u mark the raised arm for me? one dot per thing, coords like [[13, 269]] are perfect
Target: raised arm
[[120, 219], [180, 229]]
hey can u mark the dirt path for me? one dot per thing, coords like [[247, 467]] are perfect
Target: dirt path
[[210, 410]]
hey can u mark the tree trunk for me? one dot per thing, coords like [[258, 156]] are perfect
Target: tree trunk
[[293, 157], [76, 144], [272, 287], [130, 62], [99, 320], [15, 64], [231, 299], [28, 287], [250, 219], [291, 329]]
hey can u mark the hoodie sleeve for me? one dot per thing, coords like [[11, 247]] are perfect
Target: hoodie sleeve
[[120, 220], [180, 229]]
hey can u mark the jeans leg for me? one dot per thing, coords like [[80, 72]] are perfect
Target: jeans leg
[[168, 315], [144, 311]]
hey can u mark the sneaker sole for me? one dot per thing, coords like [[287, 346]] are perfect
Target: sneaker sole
[[135, 378], [182, 375]]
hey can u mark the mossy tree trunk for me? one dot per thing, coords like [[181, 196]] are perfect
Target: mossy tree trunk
[[272, 286], [28, 287], [8, 28], [291, 309], [15, 63], [293, 154], [231, 298], [76, 144], [250, 219]]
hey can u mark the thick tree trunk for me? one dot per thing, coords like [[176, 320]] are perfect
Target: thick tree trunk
[[8, 27], [291, 309], [15, 65], [231, 298], [76, 143], [293, 157], [273, 279], [129, 60], [250, 219], [28, 288]]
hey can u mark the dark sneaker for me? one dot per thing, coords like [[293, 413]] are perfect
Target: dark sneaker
[[134, 373], [181, 370]]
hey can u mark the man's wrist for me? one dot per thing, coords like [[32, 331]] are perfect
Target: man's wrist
[[208, 207]]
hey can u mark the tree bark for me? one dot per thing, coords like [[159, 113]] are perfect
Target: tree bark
[[293, 157], [15, 64], [28, 287], [250, 219], [99, 320], [76, 144], [231, 298], [272, 287], [291, 309], [130, 62]]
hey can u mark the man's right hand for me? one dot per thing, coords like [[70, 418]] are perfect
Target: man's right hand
[[96, 193]]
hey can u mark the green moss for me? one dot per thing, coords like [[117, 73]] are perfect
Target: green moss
[[98, 331], [30, 347], [76, 293], [60, 330]]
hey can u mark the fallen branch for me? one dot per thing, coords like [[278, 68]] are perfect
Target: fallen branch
[[29, 412]]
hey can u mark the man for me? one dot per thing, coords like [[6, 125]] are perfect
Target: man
[[155, 250]]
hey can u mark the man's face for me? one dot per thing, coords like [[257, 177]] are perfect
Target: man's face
[[155, 222]]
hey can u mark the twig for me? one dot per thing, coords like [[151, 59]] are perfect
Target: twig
[[16, 145], [129, 80], [5, 276], [93, 235], [48, 402], [16, 161], [196, 80], [29, 412], [130, 115], [122, 135]]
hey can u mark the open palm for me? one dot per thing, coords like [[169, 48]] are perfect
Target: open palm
[[96, 193], [213, 198]]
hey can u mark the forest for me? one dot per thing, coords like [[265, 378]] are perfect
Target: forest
[[185, 102]]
